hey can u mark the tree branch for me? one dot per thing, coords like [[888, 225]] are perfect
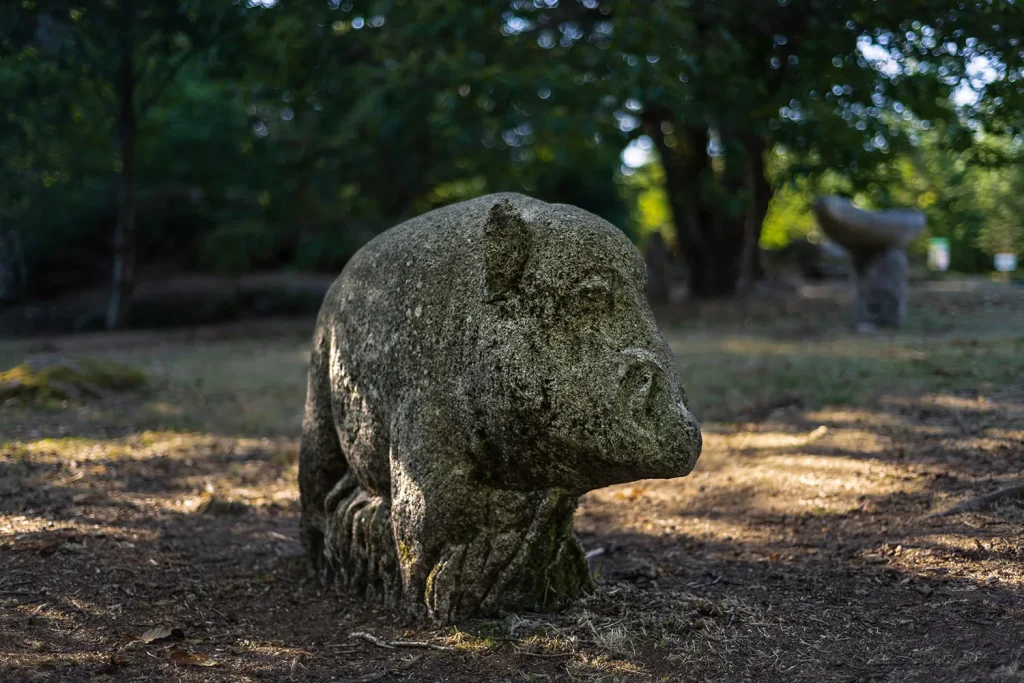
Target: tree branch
[[168, 77], [1013, 492], [83, 50], [172, 71]]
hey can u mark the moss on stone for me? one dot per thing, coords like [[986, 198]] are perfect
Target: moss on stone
[[67, 379], [563, 574], [405, 554]]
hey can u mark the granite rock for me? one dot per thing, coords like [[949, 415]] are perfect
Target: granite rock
[[474, 371]]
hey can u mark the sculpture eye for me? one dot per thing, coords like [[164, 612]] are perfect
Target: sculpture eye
[[595, 295]]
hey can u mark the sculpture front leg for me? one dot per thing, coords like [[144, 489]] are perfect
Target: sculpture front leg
[[522, 556], [468, 549]]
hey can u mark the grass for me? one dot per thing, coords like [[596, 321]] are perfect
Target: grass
[[43, 380], [239, 388], [733, 375]]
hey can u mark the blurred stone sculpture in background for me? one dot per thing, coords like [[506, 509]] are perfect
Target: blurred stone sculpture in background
[[877, 242]]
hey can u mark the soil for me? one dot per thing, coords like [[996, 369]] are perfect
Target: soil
[[803, 547]]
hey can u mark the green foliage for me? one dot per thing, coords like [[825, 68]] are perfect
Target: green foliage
[[999, 195], [971, 204], [239, 247], [971, 198], [789, 216], [651, 212], [327, 248], [286, 134], [82, 76]]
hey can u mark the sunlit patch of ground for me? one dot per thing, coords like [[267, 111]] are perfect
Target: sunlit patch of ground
[[802, 547]]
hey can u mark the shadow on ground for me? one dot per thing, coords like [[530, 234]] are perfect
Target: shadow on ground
[[798, 549]]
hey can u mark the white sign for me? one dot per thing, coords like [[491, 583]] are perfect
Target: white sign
[[1006, 263], [938, 254]]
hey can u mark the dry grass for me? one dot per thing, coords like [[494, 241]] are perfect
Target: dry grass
[[799, 549]]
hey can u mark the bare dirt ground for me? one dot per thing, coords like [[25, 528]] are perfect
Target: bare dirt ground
[[152, 536]]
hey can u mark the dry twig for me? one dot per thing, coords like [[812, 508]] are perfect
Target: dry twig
[[1008, 493], [393, 644]]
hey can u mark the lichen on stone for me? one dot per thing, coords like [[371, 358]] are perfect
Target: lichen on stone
[[474, 371]]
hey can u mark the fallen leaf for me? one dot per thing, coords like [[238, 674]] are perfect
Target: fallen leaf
[[816, 434], [182, 658], [50, 547], [160, 633], [156, 633], [222, 508], [874, 558]]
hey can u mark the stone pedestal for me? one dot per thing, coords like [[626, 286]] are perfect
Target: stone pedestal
[[881, 279]]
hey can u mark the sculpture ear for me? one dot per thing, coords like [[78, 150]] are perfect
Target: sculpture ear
[[507, 239]]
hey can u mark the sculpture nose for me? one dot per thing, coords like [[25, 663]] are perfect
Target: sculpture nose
[[654, 406]]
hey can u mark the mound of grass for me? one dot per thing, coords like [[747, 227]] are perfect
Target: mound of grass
[[59, 378]]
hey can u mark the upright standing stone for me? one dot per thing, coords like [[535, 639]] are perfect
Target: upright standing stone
[[877, 242], [658, 257], [12, 266], [474, 371]]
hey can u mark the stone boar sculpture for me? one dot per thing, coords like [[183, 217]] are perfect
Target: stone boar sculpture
[[474, 371]]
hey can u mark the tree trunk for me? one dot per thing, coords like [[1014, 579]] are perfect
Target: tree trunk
[[123, 281], [760, 192], [714, 272], [710, 240], [658, 258], [13, 269]]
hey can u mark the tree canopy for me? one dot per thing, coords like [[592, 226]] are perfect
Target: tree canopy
[[235, 136]]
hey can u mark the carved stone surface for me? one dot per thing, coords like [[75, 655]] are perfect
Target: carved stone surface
[[474, 371], [876, 241]]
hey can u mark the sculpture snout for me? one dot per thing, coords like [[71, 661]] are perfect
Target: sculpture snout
[[652, 404]]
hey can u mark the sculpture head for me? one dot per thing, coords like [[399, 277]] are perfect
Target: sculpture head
[[575, 388]]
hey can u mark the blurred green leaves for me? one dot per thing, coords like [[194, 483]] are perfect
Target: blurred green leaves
[[309, 125]]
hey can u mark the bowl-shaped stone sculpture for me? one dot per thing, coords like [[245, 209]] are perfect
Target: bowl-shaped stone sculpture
[[877, 242], [857, 229]]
